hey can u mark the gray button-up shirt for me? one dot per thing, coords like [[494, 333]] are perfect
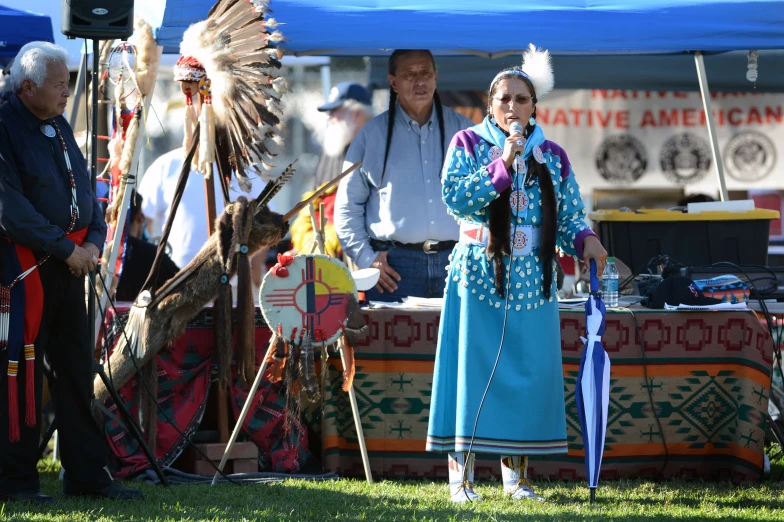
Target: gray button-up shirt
[[407, 207]]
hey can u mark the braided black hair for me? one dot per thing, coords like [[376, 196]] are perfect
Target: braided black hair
[[501, 211], [393, 59]]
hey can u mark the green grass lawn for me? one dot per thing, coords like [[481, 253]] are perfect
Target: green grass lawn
[[419, 500]]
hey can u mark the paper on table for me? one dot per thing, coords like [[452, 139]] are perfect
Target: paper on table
[[720, 306], [574, 302], [411, 303]]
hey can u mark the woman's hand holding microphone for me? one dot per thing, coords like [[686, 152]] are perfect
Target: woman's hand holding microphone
[[514, 144]]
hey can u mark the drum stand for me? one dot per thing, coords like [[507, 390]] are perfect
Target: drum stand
[[318, 229]]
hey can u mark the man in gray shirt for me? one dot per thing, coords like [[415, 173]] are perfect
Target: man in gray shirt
[[389, 214]]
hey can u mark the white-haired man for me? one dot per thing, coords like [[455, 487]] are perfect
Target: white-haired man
[[49, 218], [349, 109]]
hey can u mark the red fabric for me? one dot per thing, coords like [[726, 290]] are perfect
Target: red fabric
[[184, 375], [34, 294], [329, 206], [34, 309], [568, 264]]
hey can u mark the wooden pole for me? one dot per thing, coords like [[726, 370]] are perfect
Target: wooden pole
[[318, 231], [223, 398], [243, 414], [352, 397]]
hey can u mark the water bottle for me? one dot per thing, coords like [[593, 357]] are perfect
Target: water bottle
[[610, 283]]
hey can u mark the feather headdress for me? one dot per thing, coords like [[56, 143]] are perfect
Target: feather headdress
[[236, 48], [536, 67]]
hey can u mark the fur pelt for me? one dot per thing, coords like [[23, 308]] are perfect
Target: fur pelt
[[166, 319]]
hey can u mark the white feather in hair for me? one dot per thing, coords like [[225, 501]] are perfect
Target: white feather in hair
[[236, 47], [539, 69]]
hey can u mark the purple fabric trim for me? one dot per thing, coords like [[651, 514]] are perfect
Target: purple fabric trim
[[466, 140], [499, 175], [580, 238], [556, 150]]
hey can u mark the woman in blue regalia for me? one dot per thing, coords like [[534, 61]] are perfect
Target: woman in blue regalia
[[516, 199]]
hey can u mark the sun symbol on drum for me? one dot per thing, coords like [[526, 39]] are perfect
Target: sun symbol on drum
[[518, 200], [520, 240], [494, 153], [314, 298]]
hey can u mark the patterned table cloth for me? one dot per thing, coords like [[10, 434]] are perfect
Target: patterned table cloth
[[693, 404]]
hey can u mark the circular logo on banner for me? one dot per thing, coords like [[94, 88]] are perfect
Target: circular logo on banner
[[685, 158], [494, 153], [621, 159], [750, 156], [518, 200], [520, 240]]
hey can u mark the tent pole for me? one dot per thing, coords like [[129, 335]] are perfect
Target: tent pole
[[78, 91], [706, 104], [326, 80]]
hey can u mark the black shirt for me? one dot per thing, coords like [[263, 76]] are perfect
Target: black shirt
[[139, 256], [35, 194]]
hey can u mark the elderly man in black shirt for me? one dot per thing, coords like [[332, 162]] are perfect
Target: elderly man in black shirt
[[48, 213]]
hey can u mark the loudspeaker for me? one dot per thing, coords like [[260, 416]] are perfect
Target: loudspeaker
[[98, 19]]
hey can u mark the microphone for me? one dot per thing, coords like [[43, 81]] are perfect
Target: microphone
[[516, 128]]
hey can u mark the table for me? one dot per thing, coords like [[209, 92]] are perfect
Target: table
[[708, 374]]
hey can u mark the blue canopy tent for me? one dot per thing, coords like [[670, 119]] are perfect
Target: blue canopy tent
[[652, 72], [485, 28], [637, 35], [18, 28], [590, 29]]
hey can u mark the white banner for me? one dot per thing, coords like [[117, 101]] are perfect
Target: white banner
[[642, 139]]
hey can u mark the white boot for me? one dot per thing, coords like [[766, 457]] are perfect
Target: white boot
[[514, 471], [461, 483]]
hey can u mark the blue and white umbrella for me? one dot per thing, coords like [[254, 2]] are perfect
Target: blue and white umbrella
[[593, 385]]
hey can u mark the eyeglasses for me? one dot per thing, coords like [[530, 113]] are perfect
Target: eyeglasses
[[506, 99]]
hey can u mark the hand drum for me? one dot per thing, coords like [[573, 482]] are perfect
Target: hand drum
[[311, 299]]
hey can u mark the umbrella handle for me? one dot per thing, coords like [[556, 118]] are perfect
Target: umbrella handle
[[594, 278]]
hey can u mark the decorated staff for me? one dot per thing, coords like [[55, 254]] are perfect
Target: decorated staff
[[232, 55], [130, 72]]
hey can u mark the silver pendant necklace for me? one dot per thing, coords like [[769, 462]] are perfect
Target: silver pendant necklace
[[47, 130]]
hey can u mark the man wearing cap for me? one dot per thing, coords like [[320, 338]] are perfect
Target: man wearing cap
[[389, 214], [52, 231], [348, 109]]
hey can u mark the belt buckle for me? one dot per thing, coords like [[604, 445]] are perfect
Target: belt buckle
[[430, 246], [522, 241]]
